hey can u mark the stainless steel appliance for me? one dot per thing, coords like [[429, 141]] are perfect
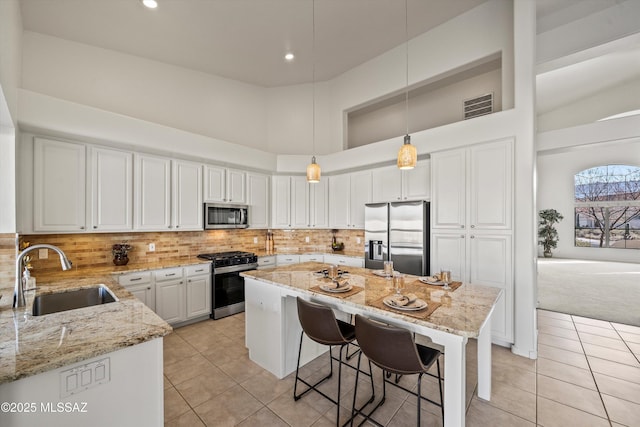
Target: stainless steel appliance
[[399, 232], [220, 215], [227, 286]]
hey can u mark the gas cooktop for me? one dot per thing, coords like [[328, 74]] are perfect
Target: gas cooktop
[[230, 258]]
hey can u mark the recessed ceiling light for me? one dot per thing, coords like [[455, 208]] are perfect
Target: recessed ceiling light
[[289, 57], [151, 4]]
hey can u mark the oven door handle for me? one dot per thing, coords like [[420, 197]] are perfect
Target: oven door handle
[[234, 268], [242, 216]]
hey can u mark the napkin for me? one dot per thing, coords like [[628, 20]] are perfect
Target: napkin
[[338, 283], [404, 300]]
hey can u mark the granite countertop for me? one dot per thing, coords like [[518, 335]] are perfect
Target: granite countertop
[[30, 345], [295, 251], [463, 311]]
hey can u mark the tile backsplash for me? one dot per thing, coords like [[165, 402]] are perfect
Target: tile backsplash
[[93, 250]]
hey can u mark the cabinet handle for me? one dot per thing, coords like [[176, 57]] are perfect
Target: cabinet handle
[[135, 279], [81, 228], [169, 275], [189, 280], [169, 227], [95, 226], [198, 271], [177, 226], [180, 282], [149, 288], [462, 226], [398, 198], [462, 236], [473, 237], [405, 198], [473, 226]]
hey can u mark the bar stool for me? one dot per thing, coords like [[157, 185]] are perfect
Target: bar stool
[[320, 324], [394, 351]]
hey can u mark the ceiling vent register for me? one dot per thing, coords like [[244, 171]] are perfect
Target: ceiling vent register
[[478, 106]]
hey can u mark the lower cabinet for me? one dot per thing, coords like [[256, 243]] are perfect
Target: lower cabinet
[[344, 260], [170, 300], [198, 291], [141, 285], [287, 259]]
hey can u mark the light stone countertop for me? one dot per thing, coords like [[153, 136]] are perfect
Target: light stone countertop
[[294, 251], [464, 314], [30, 345]]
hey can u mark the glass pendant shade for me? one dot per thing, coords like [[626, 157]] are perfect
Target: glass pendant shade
[[408, 155], [313, 171]]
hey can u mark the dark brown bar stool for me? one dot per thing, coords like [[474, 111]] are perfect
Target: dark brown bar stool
[[394, 351], [320, 324]]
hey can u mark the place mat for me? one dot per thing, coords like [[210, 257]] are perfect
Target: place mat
[[354, 290], [452, 285], [420, 314]]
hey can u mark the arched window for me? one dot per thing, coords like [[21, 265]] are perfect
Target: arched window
[[607, 207]]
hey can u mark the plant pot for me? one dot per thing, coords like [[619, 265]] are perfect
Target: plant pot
[[547, 253], [121, 260]]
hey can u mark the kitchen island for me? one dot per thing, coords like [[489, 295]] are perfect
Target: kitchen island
[[98, 365], [273, 329]]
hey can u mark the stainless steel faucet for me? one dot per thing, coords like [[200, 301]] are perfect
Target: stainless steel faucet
[[18, 293]]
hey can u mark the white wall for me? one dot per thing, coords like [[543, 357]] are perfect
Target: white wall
[[10, 57], [148, 90]]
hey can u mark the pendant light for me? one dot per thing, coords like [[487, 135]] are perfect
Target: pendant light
[[313, 170], [408, 155]]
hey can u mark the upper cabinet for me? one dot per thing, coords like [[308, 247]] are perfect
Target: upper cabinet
[[152, 205], [319, 204], [111, 175], [187, 195], [299, 204], [390, 184], [258, 200], [348, 193], [224, 185], [59, 202]]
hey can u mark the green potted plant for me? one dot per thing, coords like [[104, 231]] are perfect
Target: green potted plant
[[120, 253], [547, 233]]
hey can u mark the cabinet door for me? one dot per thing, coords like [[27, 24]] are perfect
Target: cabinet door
[[387, 184], [111, 190], [360, 195], [448, 184], [59, 186], [448, 253], [312, 258], [214, 184], [153, 193], [319, 204], [490, 264], [281, 207], [490, 184], [287, 259], [416, 182], [170, 300], [299, 202], [187, 196], [258, 200], [236, 186], [198, 296], [339, 201], [145, 293]]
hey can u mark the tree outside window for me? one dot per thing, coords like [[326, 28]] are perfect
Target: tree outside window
[[607, 207]]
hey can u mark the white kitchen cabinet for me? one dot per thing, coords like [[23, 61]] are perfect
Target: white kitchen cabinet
[[391, 184], [348, 193], [299, 202], [111, 173], [291, 202], [343, 260], [319, 204], [287, 259], [141, 285], [59, 193], [281, 206], [152, 203], [268, 261], [224, 185], [312, 258], [170, 295], [187, 195], [471, 212], [198, 292], [258, 196]]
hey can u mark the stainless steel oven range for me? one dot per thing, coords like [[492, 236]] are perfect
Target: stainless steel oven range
[[227, 286]]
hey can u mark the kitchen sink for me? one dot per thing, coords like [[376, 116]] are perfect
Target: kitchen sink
[[71, 300]]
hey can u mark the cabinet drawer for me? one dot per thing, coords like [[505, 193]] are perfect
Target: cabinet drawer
[[168, 274], [194, 270], [264, 261], [135, 278], [287, 259], [314, 257]]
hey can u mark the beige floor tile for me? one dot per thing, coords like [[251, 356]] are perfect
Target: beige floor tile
[[481, 414], [595, 330], [176, 349], [557, 323], [559, 342], [174, 404], [554, 314], [563, 356], [560, 332], [406, 416], [634, 347], [614, 343], [241, 369], [504, 356], [264, 417], [295, 413], [618, 388], [622, 411], [201, 388], [513, 400], [232, 406], [625, 357], [554, 414], [265, 386], [188, 368], [592, 322], [614, 369], [566, 373], [630, 337], [627, 328], [570, 395], [188, 419], [516, 377]]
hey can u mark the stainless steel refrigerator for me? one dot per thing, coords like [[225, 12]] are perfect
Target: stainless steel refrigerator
[[399, 232]]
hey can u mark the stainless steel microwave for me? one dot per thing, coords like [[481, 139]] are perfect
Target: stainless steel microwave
[[220, 215]]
